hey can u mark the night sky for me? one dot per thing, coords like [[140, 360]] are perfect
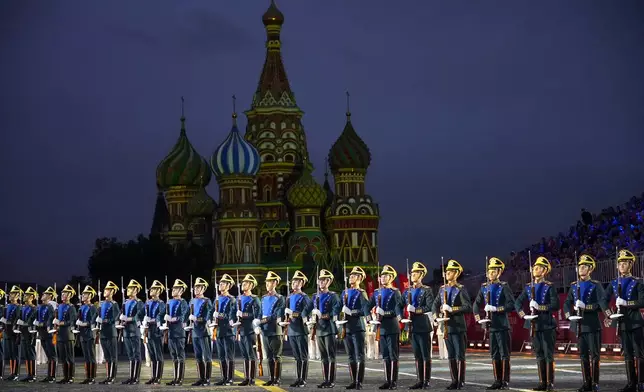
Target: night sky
[[490, 124]]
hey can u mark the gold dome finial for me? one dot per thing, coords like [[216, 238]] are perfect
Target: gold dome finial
[[234, 110], [348, 106], [183, 116]]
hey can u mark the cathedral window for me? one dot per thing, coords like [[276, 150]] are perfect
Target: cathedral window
[[272, 125], [336, 240], [246, 253], [283, 125], [288, 135], [354, 240], [314, 221], [268, 158], [373, 240], [365, 255], [267, 193], [243, 196], [289, 158], [289, 146]]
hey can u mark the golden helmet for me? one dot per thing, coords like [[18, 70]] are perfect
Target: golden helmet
[[250, 278], [2, 293], [358, 271], [111, 285], [325, 274], [227, 279], [625, 255], [454, 265], [69, 289], [201, 282], [16, 290], [157, 285], [389, 270], [134, 284], [495, 262], [89, 290], [542, 261], [300, 275], [272, 276], [419, 267], [586, 260], [50, 290], [178, 283], [31, 291]]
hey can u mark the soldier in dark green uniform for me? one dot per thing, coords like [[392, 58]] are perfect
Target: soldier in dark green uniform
[[131, 318], [107, 316], [201, 309], [389, 307], [543, 305], [154, 313], [2, 326], [272, 307], [176, 319], [419, 301], [499, 301], [65, 322], [248, 313], [86, 324], [355, 306], [9, 338], [299, 306], [629, 293], [225, 315], [453, 301], [586, 299], [326, 308], [28, 333], [45, 314]]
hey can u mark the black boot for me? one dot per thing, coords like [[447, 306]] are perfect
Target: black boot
[[92, 373], [1, 368], [420, 374], [305, 373], [325, 375], [360, 375], [224, 373], [394, 375], [332, 369], [160, 365], [640, 374], [253, 372], [153, 377], [453, 371], [541, 369], [208, 372], [550, 381], [586, 376], [65, 374], [182, 372], [137, 373], [505, 377], [298, 374], [87, 374], [271, 369], [12, 369], [497, 369], [631, 377], [72, 373], [428, 373], [28, 375], [231, 373], [594, 374], [278, 373], [246, 374], [46, 379], [175, 373], [461, 374], [107, 376], [201, 373], [131, 376], [353, 373], [387, 383]]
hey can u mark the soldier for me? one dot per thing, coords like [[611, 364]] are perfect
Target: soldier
[[272, 313], [389, 306], [543, 304], [419, 301], [27, 334], [225, 314], [86, 318], [178, 312], [133, 314], [248, 312], [355, 307], [201, 309], [108, 315], [587, 299], [64, 322], [2, 294], [9, 338], [629, 293], [299, 306], [45, 314], [499, 301], [452, 299], [326, 308], [154, 314]]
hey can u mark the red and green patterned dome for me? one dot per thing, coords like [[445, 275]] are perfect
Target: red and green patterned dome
[[183, 166], [306, 192], [349, 151]]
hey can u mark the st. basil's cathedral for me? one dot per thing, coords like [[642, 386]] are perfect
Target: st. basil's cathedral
[[271, 214]]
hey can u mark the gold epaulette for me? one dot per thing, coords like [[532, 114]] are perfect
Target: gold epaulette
[[460, 286], [484, 284], [547, 282]]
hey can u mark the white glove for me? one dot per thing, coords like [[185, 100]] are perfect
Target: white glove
[[167, 317], [78, 322], [346, 310], [257, 331], [380, 311], [146, 320], [316, 312], [20, 322], [490, 308], [99, 320], [231, 322], [215, 315], [240, 314], [580, 305], [620, 302], [173, 319], [56, 322], [288, 311], [122, 317], [411, 308], [534, 305], [36, 323], [446, 308], [256, 323], [3, 320], [192, 317]]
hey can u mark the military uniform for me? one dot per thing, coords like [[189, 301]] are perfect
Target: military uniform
[[248, 313], [272, 310], [27, 338], [458, 303], [132, 316], [629, 293], [326, 308], [389, 306], [108, 315], [225, 312], [45, 313], [178, 312], [355, 306], [66, 320], [419, 301], [299, 306], [201, 309], [154, 314], [2, 327], [545, 324], [496, 299], [10, 338], [590, 294], [87, 314]]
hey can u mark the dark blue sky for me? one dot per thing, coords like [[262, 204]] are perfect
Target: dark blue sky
[[490, 125]]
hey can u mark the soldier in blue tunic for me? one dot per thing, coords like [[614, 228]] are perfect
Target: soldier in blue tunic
[[45, 314], [131, 317], [2, 295], [86, 322], [9, 338], [224, 316], [419, 301], [543, 305], [499, 301], [64, 322], [453, 301], [326, 309], [273, 305], [299, 306], [389, 307], [629, 293], [585, 301], [108, 315], [248, 313], [354, 309], [154, 313], [201, 308], [28, 333], [177, 317]]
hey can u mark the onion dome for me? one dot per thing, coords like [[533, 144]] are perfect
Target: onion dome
[[273, 16], [235, 156], [349, 151], [201, 204], [306, 192], [183, 166]]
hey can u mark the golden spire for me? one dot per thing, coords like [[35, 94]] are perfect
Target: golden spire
[[183, 116], [348, 106], [234, 110]]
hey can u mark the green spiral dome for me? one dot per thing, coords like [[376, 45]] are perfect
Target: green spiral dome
[[349, 151], [306, 192]]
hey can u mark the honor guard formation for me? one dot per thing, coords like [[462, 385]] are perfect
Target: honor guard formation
[[261, 325]]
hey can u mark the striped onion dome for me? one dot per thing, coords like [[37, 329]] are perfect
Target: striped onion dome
[[235, 156], [306, 192], [183, 166], [349, 151], [201, 204]]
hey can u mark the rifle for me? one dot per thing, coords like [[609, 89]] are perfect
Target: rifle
[[287, 317], [379, 303], [167, 310], [192, 310], [618, 309], [6, 294], [121, 324], [216, 321], [486, 325], [147, 309], [54, 331], [409, 297], [260, 356], [316, 306], [532, 295], [345, 301], [98, 327], [80, 303], [445, 299], [239, 307]]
